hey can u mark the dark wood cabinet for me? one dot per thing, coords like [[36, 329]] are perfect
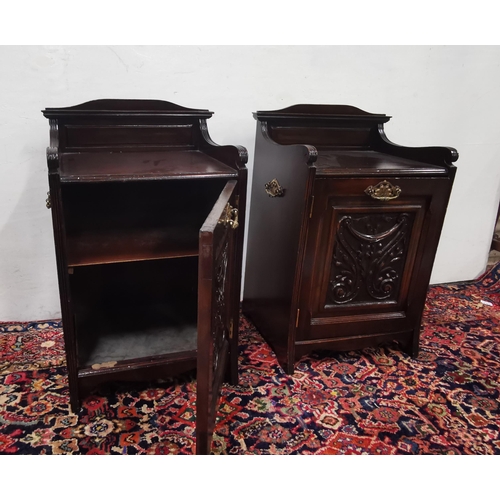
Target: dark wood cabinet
[[148, 215], [343, 231]]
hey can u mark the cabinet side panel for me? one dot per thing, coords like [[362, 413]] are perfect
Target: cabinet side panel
[[273, 240], [64, 289], [237, 274], [426, 256]]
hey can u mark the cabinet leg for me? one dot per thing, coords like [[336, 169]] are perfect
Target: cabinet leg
[[286, 360], [412, 346], [74, 403], [74, 392], [288, 366], [231, 374], [232, 371], [415, 350]]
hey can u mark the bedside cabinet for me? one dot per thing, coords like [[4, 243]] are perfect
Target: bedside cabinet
[[343, 231], [148, 216]]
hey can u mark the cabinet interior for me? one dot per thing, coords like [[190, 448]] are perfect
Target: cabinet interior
[[135, 310], [131, 221], [133, 261]]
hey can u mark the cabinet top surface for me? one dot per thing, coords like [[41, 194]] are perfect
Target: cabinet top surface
[[110, 166], [371, 163]]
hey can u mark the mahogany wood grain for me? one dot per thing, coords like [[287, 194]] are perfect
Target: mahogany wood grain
[[125, 107], [150, 165], [131, 245], [433, 155], [349, 271], [215, 321], [350, 163], [274, 238], [128, 136], [131, 184]]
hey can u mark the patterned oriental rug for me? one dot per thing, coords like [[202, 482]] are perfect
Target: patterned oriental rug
[[375, 401]]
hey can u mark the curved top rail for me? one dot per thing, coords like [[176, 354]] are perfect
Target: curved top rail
[[127, 106], [326, 111]]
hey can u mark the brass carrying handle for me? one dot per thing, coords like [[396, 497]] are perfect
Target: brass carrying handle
[[383, 191], [48, 201], [229, 217]]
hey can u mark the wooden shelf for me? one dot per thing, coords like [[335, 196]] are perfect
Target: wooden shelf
[[131, 244], [145, 165], [126, 221]]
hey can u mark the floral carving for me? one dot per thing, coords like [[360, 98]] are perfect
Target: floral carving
[[368, 257]]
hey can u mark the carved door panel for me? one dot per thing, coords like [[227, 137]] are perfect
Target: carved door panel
[[217, 327], [364, 249], [370, 249]]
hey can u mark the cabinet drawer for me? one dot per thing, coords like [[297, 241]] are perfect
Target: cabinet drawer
[[377, 190]]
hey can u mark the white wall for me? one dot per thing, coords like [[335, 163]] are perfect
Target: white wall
[[438, 96]]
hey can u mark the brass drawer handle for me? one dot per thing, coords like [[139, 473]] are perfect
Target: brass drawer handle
[[229, 217], [383, 191], [274, 189]]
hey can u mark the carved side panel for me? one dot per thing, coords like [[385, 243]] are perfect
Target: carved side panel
[[369, 256]]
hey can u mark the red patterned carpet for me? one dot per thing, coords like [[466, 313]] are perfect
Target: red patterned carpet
[[375, 401]]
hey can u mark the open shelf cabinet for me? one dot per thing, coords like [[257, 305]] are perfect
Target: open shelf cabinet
[[148, 215]]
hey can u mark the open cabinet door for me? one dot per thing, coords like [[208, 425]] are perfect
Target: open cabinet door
[[216, 324]]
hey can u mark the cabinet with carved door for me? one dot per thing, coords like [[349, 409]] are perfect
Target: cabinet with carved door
[[351, 224], [148, 217]]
